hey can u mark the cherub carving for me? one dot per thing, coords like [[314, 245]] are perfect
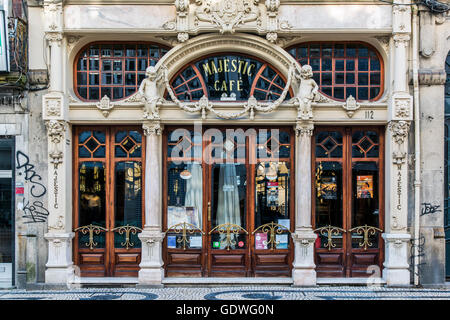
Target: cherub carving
[[306, 93], [149, 93]]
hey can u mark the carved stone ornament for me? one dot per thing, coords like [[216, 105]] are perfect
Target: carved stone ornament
[[401, 39], [304, 128], [105, 106], [402, 108], [399, 130], [54, 38], [53, 107], [227, 16], [152, 128], [350, 106], [399, 158], [55, 130], [72, 41], [53, 15]]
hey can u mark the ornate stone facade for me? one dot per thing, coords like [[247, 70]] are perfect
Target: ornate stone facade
[[255, 28]]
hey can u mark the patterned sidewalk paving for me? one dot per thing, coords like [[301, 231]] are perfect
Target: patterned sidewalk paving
[[232, 293]]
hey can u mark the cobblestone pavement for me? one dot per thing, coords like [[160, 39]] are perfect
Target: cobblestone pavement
[[231, 293]]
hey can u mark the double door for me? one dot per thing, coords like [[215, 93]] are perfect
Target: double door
[[348, 210], [229, 207], [108, 200]]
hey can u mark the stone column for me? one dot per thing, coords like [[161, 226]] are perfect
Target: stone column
[[303, 272], [151, 272], [59, 267], [396, 268]]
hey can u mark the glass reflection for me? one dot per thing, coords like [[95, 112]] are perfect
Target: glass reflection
[[272, 193], [365, 200], [329, 195], [92, 200], [185, 194], [128, 200], [229, 183]]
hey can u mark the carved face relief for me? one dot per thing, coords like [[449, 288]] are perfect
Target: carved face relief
[[53, 107]]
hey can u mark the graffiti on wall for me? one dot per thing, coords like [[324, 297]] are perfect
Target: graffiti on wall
[[33, 209], [23, 163], [420, 244], [429, 208]]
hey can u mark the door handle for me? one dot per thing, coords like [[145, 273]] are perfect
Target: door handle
[[209, 211]]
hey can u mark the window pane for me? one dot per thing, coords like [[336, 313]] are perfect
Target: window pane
[[365, 200], [185, 194], [328, 190], [92, 200], [272, 201], [128, 200]]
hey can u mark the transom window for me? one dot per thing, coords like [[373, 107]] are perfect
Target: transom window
[[231, 77], [343, 69], [113, 69]]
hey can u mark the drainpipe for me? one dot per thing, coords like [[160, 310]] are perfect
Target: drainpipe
[[417, 159]]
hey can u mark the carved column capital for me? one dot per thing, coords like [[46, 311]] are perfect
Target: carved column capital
[[304, 128], [401, 39], [152, 128], [54, 38]]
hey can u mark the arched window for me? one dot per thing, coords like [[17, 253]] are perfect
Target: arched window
[[231, 77], [343, 69], [113, 69]]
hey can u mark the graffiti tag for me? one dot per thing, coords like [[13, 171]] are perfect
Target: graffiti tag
[[429, 208], [35, 212], [23, 162]]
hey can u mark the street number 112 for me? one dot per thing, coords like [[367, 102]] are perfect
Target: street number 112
[[369, 114]]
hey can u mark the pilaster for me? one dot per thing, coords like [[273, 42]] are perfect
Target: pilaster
[[151, 272], [59, 233], [303, 272], [400, 115]]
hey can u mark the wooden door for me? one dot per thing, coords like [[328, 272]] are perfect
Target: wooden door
[[348, 206], [108, 200], [218, 191]]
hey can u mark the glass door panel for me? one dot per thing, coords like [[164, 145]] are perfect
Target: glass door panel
[[272, 219], [128, 204], [365, 206], [228, 206], [92, 205], [329, 214]]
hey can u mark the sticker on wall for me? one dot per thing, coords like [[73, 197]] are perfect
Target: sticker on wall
[[364, 187], [20, 190]]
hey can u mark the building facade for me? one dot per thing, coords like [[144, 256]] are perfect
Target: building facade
[[276, 141]]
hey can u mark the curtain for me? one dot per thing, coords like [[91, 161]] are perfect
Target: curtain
[[228, 210], [194, 192]]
